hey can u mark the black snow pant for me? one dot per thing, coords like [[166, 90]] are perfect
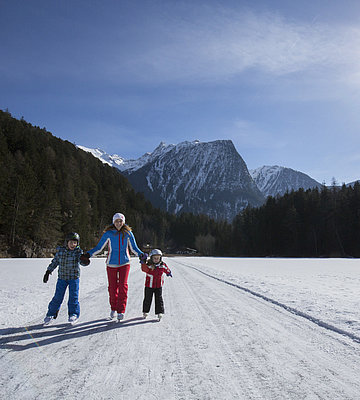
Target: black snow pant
[[159, 302]]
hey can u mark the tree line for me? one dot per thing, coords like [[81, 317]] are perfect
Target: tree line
[[49, 187], [311, 223]]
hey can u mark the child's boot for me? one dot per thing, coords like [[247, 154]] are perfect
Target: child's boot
[[48, 319], [73, 319]]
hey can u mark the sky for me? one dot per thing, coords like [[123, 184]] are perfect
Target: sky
[[281, 79]]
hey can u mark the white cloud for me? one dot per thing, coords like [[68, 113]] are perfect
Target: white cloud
[[199, 44], [227, 44]]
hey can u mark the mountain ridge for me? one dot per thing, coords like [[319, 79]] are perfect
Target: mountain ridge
[[199, 177], [261, 175], [194, 176], [276, 180]]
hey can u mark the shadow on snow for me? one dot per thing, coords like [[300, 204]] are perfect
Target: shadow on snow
[[51, 334]]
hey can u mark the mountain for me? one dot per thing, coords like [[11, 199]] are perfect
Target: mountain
[[275, 180], [203, 178], [121, 163], [353, 183]]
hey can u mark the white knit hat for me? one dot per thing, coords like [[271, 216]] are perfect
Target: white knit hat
[[119, 216]]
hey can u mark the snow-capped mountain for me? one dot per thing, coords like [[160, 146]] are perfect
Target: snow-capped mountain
[[353, 183], [114, 160], [202, 178], [127, 165], [273, 180]]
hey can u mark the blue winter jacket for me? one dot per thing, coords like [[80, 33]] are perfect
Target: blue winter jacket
[[119, 247]]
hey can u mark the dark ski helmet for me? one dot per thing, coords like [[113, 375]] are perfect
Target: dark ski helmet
[[72, 236]]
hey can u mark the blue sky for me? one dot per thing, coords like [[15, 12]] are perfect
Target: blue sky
[[281, 79]]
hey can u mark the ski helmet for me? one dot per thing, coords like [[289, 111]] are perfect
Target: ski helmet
[[156, 252], [72, 236]]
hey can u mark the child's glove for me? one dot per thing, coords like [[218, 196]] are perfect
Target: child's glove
[[46, 276], [143, 257], [169, 274], [85, 259]]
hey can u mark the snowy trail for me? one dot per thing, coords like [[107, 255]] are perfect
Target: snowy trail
[[278, 355], [286, 307], [215, 341]]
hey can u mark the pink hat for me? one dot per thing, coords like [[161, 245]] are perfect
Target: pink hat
[[119, 216]]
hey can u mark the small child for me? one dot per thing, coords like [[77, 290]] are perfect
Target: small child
[[67, 257], [154, 269]]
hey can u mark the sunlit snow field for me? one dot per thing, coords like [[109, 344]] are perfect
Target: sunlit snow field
[[327, 289], [233, 328]]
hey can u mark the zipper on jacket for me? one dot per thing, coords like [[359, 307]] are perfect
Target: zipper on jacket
[[119, 249]]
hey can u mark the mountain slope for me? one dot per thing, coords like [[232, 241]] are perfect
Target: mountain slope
[[123, 164], [275, 180], [202, 178], [353, 183]]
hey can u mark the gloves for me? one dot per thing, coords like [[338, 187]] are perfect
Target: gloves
[[46, 276], [169, 274], [85, 259], [143, 257]]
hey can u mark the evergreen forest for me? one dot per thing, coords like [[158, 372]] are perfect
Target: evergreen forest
[[49, 187]]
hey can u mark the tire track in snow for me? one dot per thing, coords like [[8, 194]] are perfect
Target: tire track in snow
[[285, 357], [292, 310], [208, 349], [246, 366], [184, 350]]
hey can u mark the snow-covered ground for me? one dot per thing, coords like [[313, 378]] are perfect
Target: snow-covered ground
[[234, 329]]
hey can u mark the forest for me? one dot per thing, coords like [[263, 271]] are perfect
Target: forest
[[311, 223], [49, 187]]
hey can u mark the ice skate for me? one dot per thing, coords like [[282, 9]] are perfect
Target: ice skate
[[48, 319], [73, 319], [112, 315]]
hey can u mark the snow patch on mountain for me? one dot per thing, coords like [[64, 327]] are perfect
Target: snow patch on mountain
[[353, 183], [275, 180], [123, 164], [112, 160]]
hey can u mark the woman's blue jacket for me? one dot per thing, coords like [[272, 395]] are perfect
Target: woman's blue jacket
[[119, 246]]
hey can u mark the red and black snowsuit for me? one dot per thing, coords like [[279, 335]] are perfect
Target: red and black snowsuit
[[153, 286]]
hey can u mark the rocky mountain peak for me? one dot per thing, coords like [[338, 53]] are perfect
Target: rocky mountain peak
[[275, 180], [198, 177]]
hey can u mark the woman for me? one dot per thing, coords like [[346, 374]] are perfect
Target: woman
[[120, 240]]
